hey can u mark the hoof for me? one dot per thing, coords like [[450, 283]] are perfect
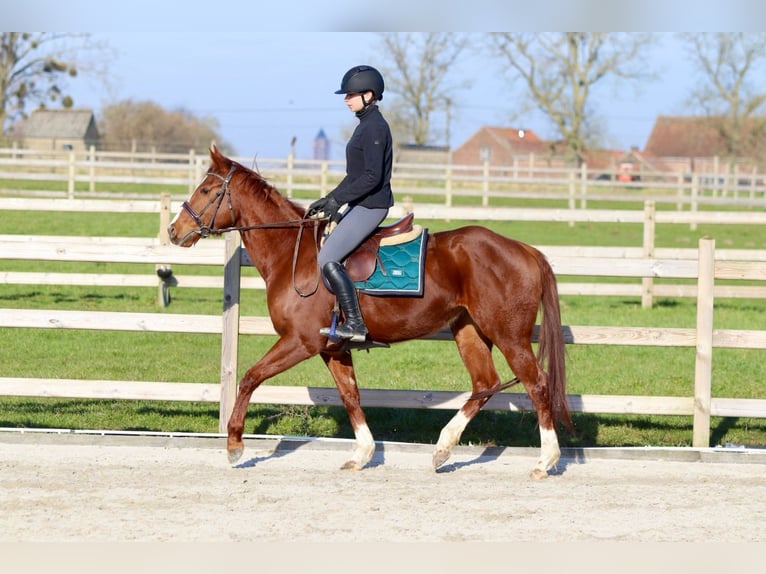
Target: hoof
[[440, 457], [350, 465], [235, 454], [538, 474]]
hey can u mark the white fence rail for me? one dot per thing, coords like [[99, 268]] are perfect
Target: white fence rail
[[97, 171]]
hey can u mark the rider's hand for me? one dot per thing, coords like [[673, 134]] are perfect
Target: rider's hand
[[326, 205]]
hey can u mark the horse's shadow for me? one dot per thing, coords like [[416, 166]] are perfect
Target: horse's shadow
[[283, 448], [493, 453], [286, 447]]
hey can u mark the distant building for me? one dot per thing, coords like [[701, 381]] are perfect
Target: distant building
[[499, 146], [58, 130], [321, 146], [691, 143]]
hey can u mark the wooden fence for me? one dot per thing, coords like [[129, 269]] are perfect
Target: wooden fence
[[98, 171], [705, 269]]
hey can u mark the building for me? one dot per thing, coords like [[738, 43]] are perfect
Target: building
[[321, 146], [499, 147], [60, 130]]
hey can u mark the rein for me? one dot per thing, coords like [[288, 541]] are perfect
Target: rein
[[207, 229]]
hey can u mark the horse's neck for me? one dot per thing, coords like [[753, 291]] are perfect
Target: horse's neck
[[271, 249]]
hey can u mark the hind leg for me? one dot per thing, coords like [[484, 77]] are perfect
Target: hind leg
[[476, 352], [523, 363], [341, 367]]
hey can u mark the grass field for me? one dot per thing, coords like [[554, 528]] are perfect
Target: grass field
[[428, 365]]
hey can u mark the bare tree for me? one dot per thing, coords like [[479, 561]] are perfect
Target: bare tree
[[418, 75], [35, 68], [561, 69], [146, 125], [730, 65]]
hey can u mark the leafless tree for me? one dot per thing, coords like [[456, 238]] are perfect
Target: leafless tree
[[560, 71], [146, 125], [36, 66], [731, 90], [417, 71]]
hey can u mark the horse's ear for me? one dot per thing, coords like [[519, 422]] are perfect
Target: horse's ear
[[214, 152]]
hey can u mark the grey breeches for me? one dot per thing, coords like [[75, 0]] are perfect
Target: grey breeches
[[357, 224]]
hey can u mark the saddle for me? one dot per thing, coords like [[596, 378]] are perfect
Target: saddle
[[360, 265]]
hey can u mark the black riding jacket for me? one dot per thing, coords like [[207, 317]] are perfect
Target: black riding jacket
[[369, 159]]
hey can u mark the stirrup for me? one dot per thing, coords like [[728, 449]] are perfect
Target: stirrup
[[344, 333]]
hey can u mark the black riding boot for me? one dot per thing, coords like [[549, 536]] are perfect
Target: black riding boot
[[353, 327]]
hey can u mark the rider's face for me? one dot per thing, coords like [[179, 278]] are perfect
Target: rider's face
[[354, 100]]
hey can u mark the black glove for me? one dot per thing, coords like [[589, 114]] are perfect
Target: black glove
[[326, 205]]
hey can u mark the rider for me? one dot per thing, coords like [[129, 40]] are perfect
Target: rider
[[366, 189]]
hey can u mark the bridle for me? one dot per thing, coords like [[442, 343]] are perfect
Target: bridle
[[207, 229], [214, 204]]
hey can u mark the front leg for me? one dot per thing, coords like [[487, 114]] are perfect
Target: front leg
[[341, 368], [284, 354]]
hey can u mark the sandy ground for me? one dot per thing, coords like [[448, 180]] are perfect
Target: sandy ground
[[93, 488]]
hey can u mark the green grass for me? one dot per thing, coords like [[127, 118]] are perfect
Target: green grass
[[425, 365]]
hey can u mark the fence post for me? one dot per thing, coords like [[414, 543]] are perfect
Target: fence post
[[680, 205], [230, 328], [323, 179], [572, 200], [694, 198], [71, 176], [448, 182], [290, 167], [647, 283], [484, 186], [583, 186], [704, 357], [92, 168], [164, 271]]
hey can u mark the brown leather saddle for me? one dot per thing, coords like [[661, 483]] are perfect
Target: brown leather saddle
[[360, 265]]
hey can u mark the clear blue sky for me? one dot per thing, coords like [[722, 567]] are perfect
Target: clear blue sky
[[267, 71]]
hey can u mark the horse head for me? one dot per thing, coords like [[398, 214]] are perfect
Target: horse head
[[209, 209]]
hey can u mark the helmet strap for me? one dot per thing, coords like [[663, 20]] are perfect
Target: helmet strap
[[365, 102]]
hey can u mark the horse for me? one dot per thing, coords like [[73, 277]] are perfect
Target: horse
[[485, 287]]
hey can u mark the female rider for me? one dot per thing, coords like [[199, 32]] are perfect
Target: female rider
[[366, 189]]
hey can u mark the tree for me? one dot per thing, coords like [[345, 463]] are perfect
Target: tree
[[35, 67], [730, 64], [561, 70], [418, 74], [146, 125]]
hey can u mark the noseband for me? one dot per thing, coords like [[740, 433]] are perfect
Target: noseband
[[207, 229]]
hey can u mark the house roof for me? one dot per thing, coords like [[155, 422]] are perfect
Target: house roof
[[692, 136], [59, 123], [516, 140]]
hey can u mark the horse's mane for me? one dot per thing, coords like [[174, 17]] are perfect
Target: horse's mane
[[259, 187]]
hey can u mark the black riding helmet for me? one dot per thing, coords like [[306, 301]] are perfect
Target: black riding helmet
[[362, 79]]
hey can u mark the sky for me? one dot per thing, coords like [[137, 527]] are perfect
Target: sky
[[267, 71]]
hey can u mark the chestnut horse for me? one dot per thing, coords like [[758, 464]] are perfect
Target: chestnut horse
[[485, 287]]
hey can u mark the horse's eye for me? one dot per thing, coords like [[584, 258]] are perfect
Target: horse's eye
[[204, 191]]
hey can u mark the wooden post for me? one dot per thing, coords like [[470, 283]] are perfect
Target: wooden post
[[484, 186], [164, 271], [647, 283], [71, 176], [694, 198], [680, 205], [230, 328], [572, 200], [583, 186], [704, 358], [290, 168], [323, 179], [92, 168], [448, 182]]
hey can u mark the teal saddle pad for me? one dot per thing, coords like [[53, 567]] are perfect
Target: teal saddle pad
[[400, 269]]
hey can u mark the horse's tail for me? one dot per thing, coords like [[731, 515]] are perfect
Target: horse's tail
[[551, 347]]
